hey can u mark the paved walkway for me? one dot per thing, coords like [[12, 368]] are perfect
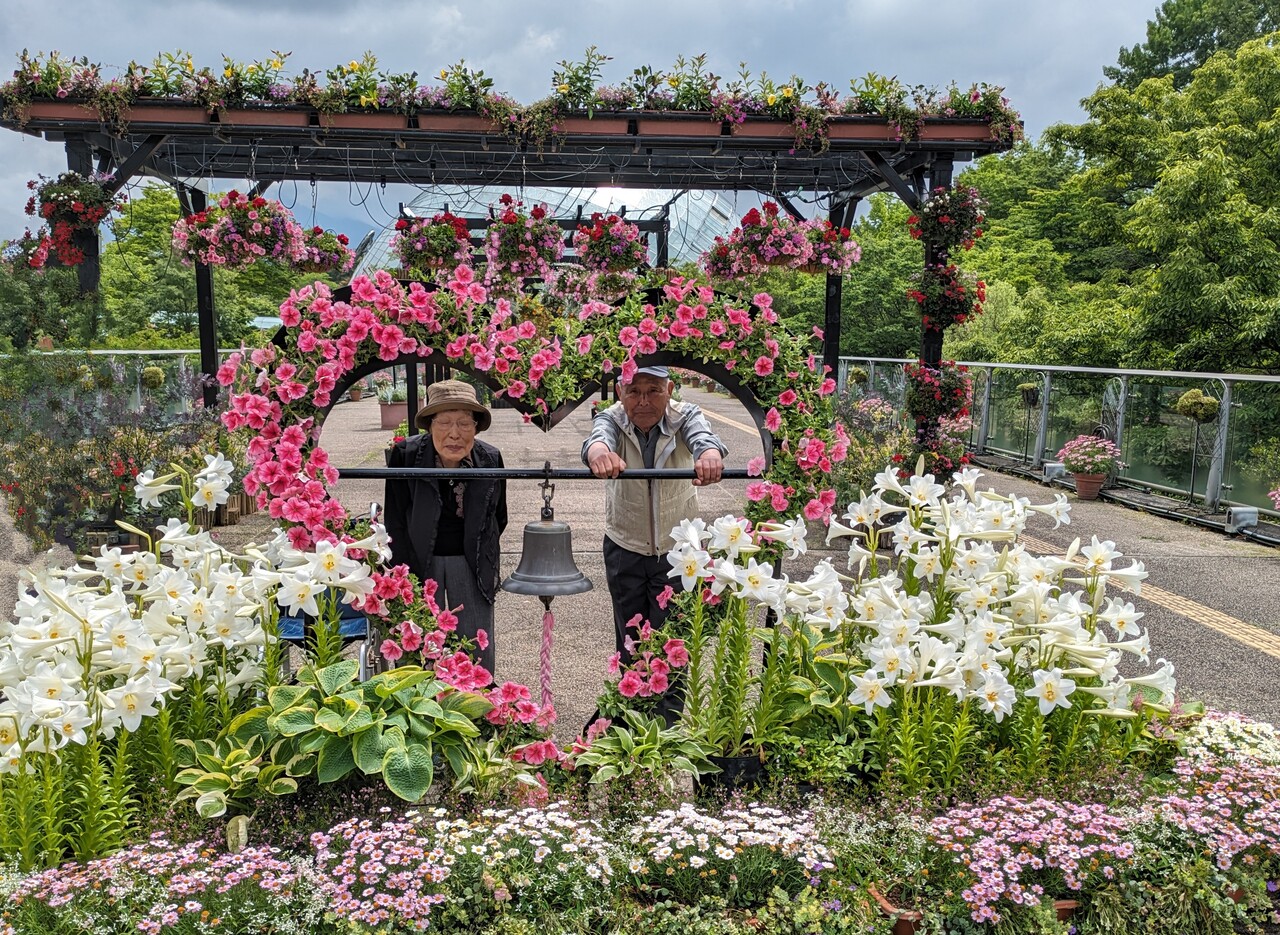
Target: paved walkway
[[1209, 601]]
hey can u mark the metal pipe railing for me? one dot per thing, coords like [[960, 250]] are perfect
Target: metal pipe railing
[[406, 473], [1216, 485]]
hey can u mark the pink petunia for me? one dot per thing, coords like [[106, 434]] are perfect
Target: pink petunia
[[763, 366], [390, 650], [630, 685]]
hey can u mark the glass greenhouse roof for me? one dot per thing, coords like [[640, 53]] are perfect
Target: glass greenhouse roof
[[697, 217]]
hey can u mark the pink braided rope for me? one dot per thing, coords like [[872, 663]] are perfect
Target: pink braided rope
[[548, 622]]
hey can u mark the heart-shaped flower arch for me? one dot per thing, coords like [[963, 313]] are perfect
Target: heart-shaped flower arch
[[545, 354]]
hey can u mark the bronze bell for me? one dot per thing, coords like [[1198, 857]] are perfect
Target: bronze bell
[[546, 567]]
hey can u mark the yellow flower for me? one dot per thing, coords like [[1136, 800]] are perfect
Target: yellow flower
[[368, 100], [444, 73], [786, 92], [251, 68], [674, 81], [352, 65], [277, 63], [226, 72], [562, 89], [771, 99]]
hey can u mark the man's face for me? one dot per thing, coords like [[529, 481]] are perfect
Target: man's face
[[645, 399]]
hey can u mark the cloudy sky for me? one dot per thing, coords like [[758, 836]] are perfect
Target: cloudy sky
[[1048, 55]]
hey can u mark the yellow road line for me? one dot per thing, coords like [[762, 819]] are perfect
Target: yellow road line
[[749, 429], [1255, 637]]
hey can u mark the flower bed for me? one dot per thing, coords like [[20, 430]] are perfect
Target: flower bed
[[953, 663]]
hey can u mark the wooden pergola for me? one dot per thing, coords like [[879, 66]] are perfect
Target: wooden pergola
[[183, 144]]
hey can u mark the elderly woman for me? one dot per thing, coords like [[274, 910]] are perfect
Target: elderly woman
[[448, 528]]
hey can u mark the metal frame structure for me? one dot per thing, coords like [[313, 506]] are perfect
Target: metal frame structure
[[184, 145]]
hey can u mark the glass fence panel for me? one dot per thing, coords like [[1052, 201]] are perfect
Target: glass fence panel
[[1162, 448], [76, 428], [1253, 444], [1076, 407], [1015, 414]]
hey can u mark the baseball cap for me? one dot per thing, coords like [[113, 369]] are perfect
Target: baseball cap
[[662, 373]]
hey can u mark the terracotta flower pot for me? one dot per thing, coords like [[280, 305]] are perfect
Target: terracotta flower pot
[[163, 111], [766, 128], [445, 122], [861, 128], [60, 110], [678, 125], [943, 128], [1089, 485], [266, 117], [356, 392], [905, 921], [393, 414], [362, 121], [599, 125]]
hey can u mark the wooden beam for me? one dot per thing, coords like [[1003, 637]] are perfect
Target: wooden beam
[[894, 180], [134, 162]]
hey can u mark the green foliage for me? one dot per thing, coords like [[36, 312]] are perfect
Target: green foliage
[[39, 302], [1185, 33], [1183, 176], [328, 725], [147, 291], [644, 745]]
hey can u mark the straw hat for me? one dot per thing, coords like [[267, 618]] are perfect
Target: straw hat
[[452, 394]]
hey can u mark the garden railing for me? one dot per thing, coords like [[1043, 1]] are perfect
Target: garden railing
[[1233, 460]]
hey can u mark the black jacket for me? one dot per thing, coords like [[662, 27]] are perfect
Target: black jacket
[[413, 513]]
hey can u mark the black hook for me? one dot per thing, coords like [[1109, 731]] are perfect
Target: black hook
[[548, 491]]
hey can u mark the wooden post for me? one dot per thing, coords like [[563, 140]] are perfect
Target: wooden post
[[206, 315]]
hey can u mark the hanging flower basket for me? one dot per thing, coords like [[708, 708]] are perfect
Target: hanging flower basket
[[949, 217], [326, 252], [428, 244], [522, 246], [610, 245], [765, 238], [833, 249], [70, 204], [239, 231], [947, 295]]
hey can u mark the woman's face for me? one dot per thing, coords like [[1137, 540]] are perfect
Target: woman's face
[[453, 432]]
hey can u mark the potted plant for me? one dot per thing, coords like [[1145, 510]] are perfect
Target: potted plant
[[71, 204], [393, 404], [834, 251], [325, 252], [947, 295], [1090, 459], [356, 391], [522, 246], [610, 245], [1030, 394], [427, 244], [737, 706], [238, 232]]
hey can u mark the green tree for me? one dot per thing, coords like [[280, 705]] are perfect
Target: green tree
[[1197, 188], [147, 289], [878, 318], [1185, 33]]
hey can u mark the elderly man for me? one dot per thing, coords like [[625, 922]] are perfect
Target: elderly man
[[646, 429]]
